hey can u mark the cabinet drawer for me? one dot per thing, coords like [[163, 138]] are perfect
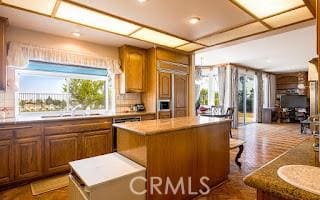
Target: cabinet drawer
[[148, 117], [164, 115], [6, 134], [28, 131], [55, 130]]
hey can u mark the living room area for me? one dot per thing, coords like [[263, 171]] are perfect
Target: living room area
[[270, 79]]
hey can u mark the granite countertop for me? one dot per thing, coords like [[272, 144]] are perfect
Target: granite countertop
[[165, 125], [31, 119], [267, 180]]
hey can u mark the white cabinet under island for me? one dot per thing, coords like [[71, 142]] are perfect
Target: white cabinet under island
[[182, 156]]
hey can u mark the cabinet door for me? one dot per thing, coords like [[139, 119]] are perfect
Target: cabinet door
[[135, 70], [181, 95], [96, 143], [3, 53], [164, 85], [28, 158], [7, 163], [59, 151]]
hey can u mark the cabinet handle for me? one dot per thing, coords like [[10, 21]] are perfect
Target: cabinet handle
[[15, 128]]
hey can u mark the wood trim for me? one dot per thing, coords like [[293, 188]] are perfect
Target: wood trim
[[310, 7], [55, 9], [251, 14]]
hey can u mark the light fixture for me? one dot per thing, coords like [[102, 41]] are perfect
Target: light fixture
[[76, 34], [194, 20], [190, 47], [233, 34], [85, 16], [267, 8], [290, 17], [156, 37], [142, 1], [39, 6]]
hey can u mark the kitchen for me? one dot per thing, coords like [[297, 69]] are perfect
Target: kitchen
[[91, 99]]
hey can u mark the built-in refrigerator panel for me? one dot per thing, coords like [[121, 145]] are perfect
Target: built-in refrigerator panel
[[313, 85]]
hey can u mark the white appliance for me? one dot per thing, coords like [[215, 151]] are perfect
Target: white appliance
[[106, 177]]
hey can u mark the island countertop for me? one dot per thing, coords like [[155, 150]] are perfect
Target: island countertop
[[165, 125], [266, 179]]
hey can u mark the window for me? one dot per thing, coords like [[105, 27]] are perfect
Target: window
[[209, 87], [52, 88]]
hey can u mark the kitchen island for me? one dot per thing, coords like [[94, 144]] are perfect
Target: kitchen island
[[180, 151]]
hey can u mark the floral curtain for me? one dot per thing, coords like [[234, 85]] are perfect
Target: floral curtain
[[19, 55]]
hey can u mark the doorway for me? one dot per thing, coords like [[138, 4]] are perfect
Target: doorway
[[246, 99]]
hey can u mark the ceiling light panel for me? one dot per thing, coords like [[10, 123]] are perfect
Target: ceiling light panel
[[267, 8], [290, 17], [156, 37], [40, 6], [190, 47], [77, 14], [236, 33]]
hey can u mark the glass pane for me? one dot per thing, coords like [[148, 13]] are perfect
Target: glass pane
[[41, 93], [249, 114], [241, 96], [86, 93]]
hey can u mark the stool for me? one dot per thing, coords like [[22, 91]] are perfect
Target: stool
[[236, 143]]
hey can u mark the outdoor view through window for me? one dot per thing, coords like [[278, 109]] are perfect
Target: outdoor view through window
[[43, 91]]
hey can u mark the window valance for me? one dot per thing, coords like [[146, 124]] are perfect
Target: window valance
[[20, 54]]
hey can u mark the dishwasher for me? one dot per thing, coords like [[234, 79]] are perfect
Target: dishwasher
[[114, 130]]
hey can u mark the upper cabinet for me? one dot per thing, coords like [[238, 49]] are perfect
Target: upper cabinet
[[3, 53], [133, 64], [164, 85]]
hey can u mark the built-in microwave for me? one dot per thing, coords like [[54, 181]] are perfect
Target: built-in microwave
[[164, 105]]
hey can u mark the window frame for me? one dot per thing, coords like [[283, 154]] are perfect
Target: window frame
[[109, 80]]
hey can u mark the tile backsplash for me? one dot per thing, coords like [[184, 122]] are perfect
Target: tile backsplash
[[124, 101], [7, 103]]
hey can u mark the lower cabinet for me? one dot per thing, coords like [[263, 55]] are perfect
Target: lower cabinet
[[7, 161], [96, 143], [59, 151], [28, 157]]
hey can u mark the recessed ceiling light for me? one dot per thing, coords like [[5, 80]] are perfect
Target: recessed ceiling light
[[194, 20], [156, 37], [85, 16], [267, 8], [39, 6], [142, 1], [76, 34]]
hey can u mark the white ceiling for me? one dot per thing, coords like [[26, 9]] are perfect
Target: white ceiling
[[44, 24], [172, 15], [284, 52]]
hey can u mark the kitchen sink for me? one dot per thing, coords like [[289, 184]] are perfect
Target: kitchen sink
[[301, 176]]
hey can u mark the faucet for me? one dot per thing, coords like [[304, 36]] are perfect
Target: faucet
[[75, 108]]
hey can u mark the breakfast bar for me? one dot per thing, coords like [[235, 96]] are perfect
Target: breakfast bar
[[179, 150]]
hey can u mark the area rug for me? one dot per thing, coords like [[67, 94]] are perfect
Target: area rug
[[49, 184]]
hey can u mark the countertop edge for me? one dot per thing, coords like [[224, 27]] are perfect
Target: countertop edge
[[147, 133], [44, 120]]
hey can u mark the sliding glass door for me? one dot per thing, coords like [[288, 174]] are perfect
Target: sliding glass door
[[246, 99]]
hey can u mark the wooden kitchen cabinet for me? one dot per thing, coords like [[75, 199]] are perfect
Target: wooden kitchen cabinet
[[133, 64], [180, 95], [164, 85], [59, 151], [28, 157], [3, 53], [96, 143], [7, 161], [164, 115], [148, 117]]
